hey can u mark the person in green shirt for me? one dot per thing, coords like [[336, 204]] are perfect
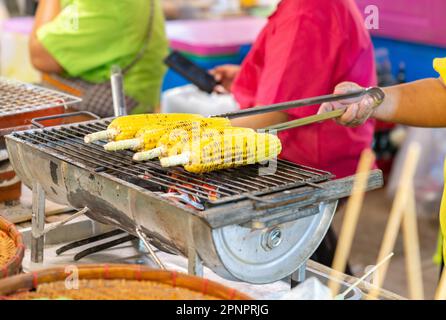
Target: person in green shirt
[[86, 38]]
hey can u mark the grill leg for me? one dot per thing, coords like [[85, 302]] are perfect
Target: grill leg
[[195, 265], [38, 223]]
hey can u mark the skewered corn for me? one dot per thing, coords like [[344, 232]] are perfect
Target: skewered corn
[[175, 139], [148, 137], [224, 149], [127, 126]]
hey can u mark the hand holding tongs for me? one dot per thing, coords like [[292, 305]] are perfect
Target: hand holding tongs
[[376, 93]]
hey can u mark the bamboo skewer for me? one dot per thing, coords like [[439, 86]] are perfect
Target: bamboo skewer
[[150, 154], [108, 134], [396, 215], [412, 249], [133, 144], [365, 276], [352, 213]]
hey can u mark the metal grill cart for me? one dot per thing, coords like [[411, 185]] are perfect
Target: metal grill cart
[[242, 225]]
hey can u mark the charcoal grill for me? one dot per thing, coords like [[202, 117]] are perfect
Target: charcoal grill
[[246, 226]]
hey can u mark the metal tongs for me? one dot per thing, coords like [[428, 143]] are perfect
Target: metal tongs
[[374, 92]]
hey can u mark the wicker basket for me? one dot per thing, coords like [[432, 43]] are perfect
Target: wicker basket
[[11, 249], [113, 282]]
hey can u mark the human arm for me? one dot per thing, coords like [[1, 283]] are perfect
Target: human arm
[[421, 104], [261, 121], [41, 59]]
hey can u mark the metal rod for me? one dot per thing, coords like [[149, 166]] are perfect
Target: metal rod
[[299, 275], [194, 263], [119, 106], [38, 223], [306, 121], [61, 223], [152, 253], [89, 240], [375, 92], [103, 246]]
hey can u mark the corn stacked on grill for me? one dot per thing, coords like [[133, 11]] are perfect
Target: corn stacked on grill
[[148, 137], [225, 148], [126, 127], [199, 144]]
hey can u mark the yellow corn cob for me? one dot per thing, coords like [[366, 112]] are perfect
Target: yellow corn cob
[[175, 137], [230, 149], [148, 137], [127, 126]]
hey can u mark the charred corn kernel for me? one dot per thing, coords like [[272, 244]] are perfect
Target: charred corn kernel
[[224, 149], [172, 137], [126, 127]]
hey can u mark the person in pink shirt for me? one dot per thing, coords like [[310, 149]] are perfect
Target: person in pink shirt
[[305, 50]]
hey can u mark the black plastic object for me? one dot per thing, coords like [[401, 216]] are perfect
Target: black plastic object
[[192, 72]]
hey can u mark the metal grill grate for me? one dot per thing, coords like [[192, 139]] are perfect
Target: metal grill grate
[[66, 143], [18, 97]]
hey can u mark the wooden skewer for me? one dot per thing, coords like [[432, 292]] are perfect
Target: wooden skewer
[[412, 249], [108, 134], [352, 213], [133, 144], [150, 154], [441, 290], [396, 214], [365, 276]]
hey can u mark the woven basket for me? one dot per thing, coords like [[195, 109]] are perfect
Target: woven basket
[[113, 282], [11, 249]]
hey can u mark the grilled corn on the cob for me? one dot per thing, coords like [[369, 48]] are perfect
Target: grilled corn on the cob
[[148, 137], [127, 126], [179, 140], [232, 148]]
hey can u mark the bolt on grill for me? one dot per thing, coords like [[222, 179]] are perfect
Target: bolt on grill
[[19, 97], [66, 143]]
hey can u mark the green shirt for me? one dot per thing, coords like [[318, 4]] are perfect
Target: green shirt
[[88, 37]]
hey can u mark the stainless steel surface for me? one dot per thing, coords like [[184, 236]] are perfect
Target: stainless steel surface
[[117, 85], [195, 264], [64, 221], [18, 97], [147, 245], [38, 223], [374, 92], [297, 200], [80, 228], [300, 275]]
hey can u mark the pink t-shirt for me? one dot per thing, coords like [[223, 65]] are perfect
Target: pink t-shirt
[[305, 50]]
